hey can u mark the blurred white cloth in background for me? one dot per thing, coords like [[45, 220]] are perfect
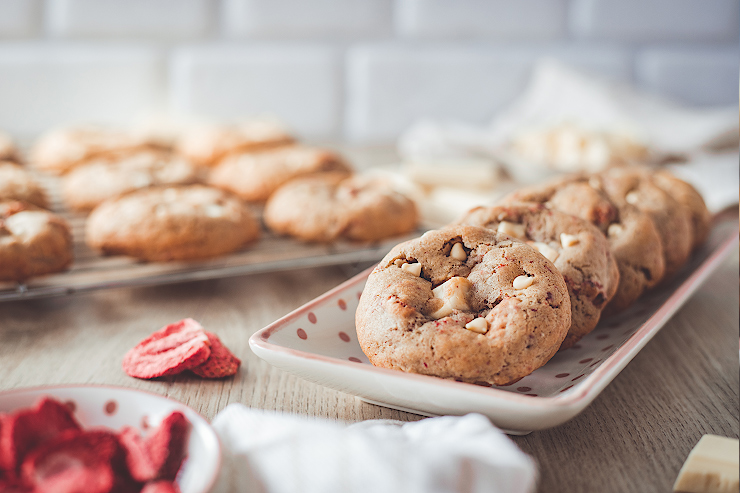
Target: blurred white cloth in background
[[275, 453], [558, 94]]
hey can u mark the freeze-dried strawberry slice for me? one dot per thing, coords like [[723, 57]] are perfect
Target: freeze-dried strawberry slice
[[78, 461], [170, 350], [221, 363], [160, 455], [160, 487], [22, 431]]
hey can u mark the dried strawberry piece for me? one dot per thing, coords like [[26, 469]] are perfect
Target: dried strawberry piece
[[8, 485], [160, 487], [160, 455], [25, 429], [221, 363], [170, 350], [78, 461]]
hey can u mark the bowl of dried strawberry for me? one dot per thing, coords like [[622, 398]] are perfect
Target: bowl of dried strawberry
[[100, 439]]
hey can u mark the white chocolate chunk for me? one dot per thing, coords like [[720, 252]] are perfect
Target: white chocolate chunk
[[215, 210], [512, 229], [454, 294], [632, 198], [712, 466], [568, 240], [523, 282], [615, 229], [546, 250], [458, 252], [479, 325], [414, 269]]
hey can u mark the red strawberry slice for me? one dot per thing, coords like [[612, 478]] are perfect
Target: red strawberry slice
[[78, 461], [221, 363], [170, 350], [160, 487], [24, 430], [160, 455]]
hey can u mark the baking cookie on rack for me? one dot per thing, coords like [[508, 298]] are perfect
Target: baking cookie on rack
[[172, 223], [464, 303], [577, 248], [16, 183], [207, 144], [330, 206], [61, 149], [634, 186], [254, 176], [98, 179], [33, 242], [634, 240], [8, 150]]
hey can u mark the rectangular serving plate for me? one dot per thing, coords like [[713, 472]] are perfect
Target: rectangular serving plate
[[318, 343]]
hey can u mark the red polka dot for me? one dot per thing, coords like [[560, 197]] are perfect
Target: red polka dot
[[342, 304], [302, 334], [144, 422], [608, 347], [577, 346], [355, 360], [71, 406], [579, 376], [595, 363], [111, 407], [586, 360], [531, 395], [523, 389], [562, 375], [601, 337], [311, 317], [343, 336], [359, 293], [566, 388]]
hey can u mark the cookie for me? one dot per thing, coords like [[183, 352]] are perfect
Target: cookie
[[577, 248], [684, 193], [98, 179], [672, 219], [172, 223], [254, 176], [634, 240], [33, 242], [463, 303], [331, 206], [60, 150], [206, 145], [16, 183], [8, 150]]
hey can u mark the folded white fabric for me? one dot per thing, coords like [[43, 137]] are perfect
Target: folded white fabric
[[276, 453]]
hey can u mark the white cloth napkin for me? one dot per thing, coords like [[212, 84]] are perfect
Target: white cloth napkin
[[559, 94], [276, 453]]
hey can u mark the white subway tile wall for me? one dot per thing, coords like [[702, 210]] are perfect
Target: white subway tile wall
[[344, 69]]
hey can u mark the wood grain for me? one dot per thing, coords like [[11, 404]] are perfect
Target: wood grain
[[634, 437]]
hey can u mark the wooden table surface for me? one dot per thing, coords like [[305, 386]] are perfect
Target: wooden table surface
[[634, 437]]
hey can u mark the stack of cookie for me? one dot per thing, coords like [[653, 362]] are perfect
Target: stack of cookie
[[33, 240], [492, 297]]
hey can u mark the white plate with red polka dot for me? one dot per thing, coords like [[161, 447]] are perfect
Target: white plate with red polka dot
[[96, 406], [318, 342]]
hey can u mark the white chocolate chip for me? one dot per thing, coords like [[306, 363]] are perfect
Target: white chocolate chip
[[546, 250], [214, 210], [615, 229], [512, 229], [479, 325], [454, 294], [458, 252], [594, 182], [633, 197], [414, 269], [523, 282], [568, 240]]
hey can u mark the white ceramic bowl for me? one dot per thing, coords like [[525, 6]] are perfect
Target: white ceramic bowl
[[115, 407]]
